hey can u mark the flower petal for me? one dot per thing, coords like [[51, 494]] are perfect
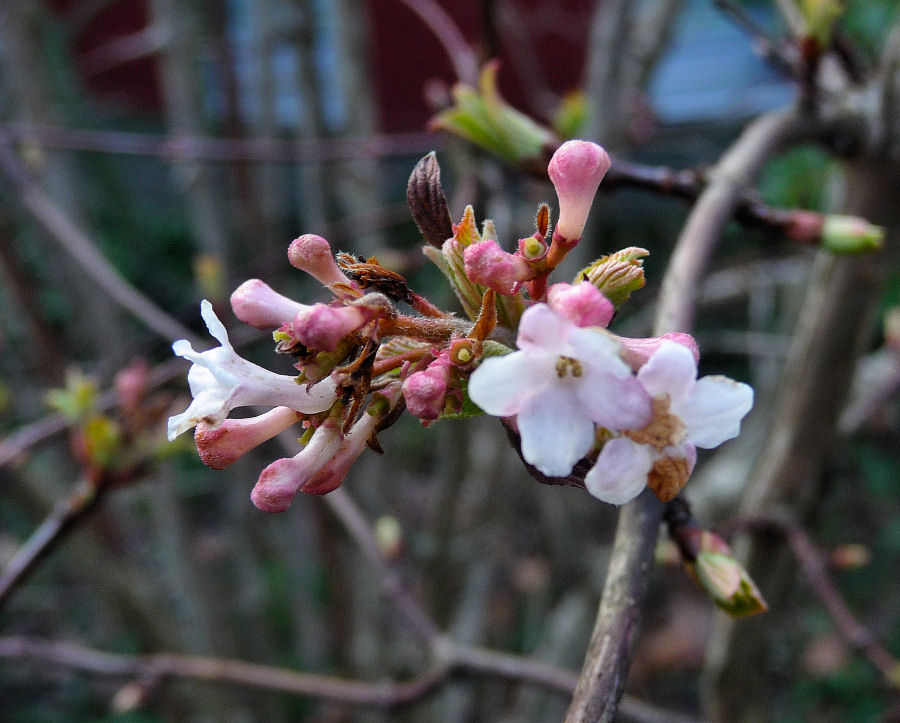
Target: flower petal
[[613, 403], [714, 409], [216, 327], [554, 434], [543, 329], [670, 370], [600, 349], [620, 473], [501, 385]]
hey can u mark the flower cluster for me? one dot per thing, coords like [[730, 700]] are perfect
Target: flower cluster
[[572, 390]]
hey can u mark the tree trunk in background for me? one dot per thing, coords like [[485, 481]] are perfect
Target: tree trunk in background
[[741, 676]]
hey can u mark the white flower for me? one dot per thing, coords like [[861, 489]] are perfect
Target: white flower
[[220, 380], [687, 413], [562, 381]]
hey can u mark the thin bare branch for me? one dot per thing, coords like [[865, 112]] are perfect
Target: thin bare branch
[[77, 244], [182, 146], [64, 517], [813, 565], [462, 57], [155, 668]]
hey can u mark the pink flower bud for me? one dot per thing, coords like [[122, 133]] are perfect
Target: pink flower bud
[[312, 254], [330, 475], [220, 446], [805, 226], [576, 170], [425, 391], [582, 304], [486, 263], [131, 383], [254, 302], [637, 351], [280, 482], [323, 327]]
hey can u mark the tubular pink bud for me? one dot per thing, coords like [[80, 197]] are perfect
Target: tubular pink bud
[[637, 351], [323, 327], [329, 476], [486, 263], [576, 169], [254, 302], [280, 482], [582, 304], [312, 254], [425, 391], [220, 446]]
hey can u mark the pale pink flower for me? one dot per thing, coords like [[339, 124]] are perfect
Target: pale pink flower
[[687, 413], [220, 380], [561, 382], [576, 169]]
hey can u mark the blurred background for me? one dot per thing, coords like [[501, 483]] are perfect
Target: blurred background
[[173, 149]]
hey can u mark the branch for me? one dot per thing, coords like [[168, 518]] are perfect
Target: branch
[[77, 244], [154, 668], [815, 569], [833, 324], [64, 517], [178, 147], [447, 34], [150, 670], [729, 181], [612, 642]]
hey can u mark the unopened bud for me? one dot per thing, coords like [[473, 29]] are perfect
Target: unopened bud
[[636, 352], [312, 254], [486, 263], [131, 383], [323, 327], [892, 328], [254, 302], [576, 169], [582, 304], [617, 275], [280, 482], [848, 557], [851, 235], [221, 446], [389, 536], [805, 226], [425, 391], [724, 579]]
